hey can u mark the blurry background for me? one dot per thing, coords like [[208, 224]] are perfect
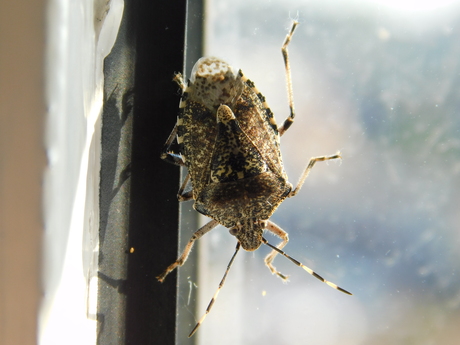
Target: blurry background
[[378, 81], [22, 159]]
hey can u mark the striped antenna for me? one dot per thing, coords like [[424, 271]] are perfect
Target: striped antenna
[[309, 270], [213, 299]]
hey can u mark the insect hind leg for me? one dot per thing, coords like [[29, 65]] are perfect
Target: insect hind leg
[[276, 230]]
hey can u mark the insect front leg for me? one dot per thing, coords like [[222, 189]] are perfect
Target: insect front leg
[[275, 229], [180, 261], [308, 168]]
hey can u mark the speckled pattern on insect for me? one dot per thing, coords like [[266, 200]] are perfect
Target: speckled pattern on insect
[[227, 137]]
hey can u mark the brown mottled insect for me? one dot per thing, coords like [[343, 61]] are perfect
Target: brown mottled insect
[[228, 139]]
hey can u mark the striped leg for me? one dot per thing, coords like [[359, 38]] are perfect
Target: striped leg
[[309, 270], [288, 122], [213, 299]]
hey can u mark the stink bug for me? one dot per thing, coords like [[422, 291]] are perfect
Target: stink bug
[[228, 139]]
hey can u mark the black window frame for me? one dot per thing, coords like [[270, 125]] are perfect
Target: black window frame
[[139, 212]]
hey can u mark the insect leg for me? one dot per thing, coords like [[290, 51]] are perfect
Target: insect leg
[[288, 122], [275, 229], [309, 270], [180, 261], [168, 154], [213, 299], [308, 168], [179, 79], [184, 196], [176, 159]]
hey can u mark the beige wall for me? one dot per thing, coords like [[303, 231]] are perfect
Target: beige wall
[[22, 159]]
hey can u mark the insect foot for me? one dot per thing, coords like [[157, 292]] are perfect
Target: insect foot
[[227, 138]]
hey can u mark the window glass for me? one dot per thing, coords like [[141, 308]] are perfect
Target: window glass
[[380, 83]]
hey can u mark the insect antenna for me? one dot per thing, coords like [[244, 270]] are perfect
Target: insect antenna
[[309, 270], [213, 299]]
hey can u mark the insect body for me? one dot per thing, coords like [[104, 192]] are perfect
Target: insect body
[[229, 141]]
